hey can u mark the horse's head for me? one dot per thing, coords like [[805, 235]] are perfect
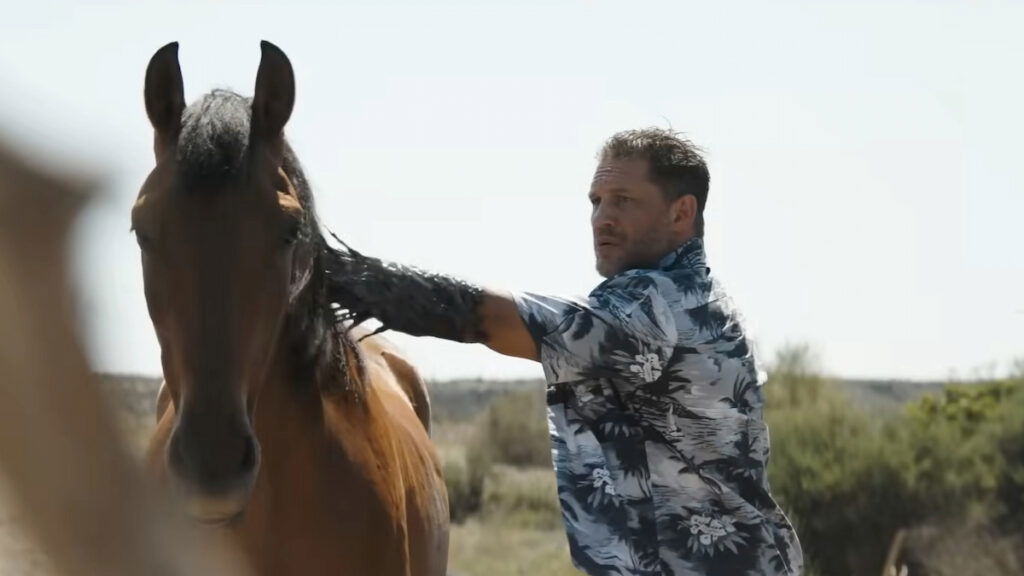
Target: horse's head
[[225, 251]]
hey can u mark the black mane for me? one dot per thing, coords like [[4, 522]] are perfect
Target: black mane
[[213, 150]]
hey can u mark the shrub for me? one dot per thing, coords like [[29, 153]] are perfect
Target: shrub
[[850, 480], [837, 473], [465, 489], [514, 430]]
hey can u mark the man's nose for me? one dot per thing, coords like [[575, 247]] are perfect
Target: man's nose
[[602, 219]]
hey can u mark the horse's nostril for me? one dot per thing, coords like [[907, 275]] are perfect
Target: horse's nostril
[[176, 459], [213, 462], [250, 455]]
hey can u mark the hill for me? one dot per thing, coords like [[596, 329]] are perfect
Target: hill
[[461, 400]]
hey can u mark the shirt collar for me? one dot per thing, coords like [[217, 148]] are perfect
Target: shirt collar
[[688, 256]]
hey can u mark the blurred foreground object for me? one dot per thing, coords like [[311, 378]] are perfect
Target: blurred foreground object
[[81, 496]]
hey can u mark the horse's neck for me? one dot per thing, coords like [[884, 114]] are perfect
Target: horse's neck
[[303, 458], [291, 403]]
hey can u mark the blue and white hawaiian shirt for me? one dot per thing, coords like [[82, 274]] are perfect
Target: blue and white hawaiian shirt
[[658, 439]]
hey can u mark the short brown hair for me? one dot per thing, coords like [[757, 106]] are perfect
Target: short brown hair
[[674, 163]]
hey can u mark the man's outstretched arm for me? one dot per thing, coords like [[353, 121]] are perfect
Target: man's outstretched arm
[[504, 327], [423, 303]]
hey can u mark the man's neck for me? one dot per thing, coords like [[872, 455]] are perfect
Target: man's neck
[[689, 252]]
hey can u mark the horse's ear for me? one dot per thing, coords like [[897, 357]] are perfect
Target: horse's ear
[[165, 96], [275, 93]]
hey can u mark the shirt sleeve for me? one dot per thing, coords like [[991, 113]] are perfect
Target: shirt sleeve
[[624, 322]]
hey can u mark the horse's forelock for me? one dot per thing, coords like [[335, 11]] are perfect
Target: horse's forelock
[[214, 139]]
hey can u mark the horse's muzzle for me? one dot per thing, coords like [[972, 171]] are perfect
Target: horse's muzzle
[[220, 511], [214, 468]]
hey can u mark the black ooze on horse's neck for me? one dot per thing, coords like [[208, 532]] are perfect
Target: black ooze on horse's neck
[[213, 151]]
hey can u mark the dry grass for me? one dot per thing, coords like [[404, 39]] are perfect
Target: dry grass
[[964, 551], [490, 548], [452, 438], [522, 498]]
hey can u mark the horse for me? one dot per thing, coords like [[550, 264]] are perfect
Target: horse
[[279, 423]]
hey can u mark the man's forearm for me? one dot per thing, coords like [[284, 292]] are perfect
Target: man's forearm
[[423, 303], [403, 298]]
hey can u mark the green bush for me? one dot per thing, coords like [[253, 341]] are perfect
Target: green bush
[[850, 480], [838, 474], [465, 489], [1010, 480], [514, 430]]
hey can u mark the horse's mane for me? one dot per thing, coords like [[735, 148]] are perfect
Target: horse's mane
[[212, 151]]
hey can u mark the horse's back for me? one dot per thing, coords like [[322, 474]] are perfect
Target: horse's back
[[402, 373]]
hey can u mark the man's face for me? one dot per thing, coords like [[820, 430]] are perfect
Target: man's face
[[633, 223]]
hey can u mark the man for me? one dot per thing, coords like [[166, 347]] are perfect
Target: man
[[654, 395]]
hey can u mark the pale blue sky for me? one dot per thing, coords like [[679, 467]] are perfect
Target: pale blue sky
[[866, 188]]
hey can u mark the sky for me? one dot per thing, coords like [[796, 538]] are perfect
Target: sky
[[866, 182]]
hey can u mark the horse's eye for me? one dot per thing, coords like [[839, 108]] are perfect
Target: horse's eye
[[291, 235], [145, 242]]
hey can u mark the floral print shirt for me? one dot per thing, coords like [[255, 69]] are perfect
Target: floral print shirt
[[655, 416]]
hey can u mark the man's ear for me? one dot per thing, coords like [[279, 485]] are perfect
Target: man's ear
[[683, 213]]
